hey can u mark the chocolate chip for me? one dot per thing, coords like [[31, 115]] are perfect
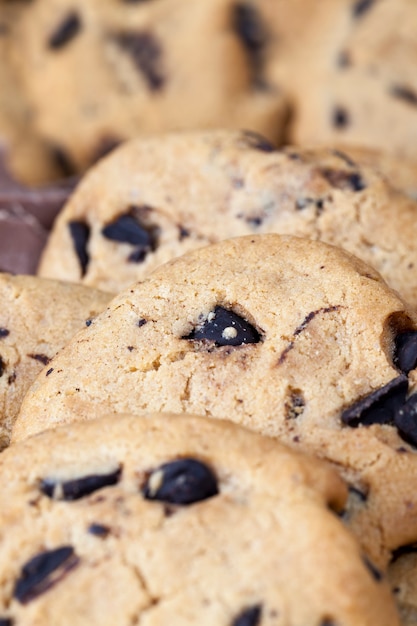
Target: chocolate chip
[[11, 378], [405, 419], [225, 328], [358, 493], [43, 571], [79, 487], [128, 229], [80, 234], [181, 482], [42, 358], [378, 407], [66, 31], [249, 617], [146, 53], [98, 530], [2, 366], [340, 117], [88, 322], [405, 351], [51, 369], [4, 332], [403, 550], [295, 403], [344, 157], [249, 28], [6, 621], [404, 93], [377, 575], [142, 322], [340, 179], [361, 7], [257, 141]]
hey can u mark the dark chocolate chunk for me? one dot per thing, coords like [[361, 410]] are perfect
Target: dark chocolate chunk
[[99, 530], [128, 229], [184, 481], [2, 366], [377, 575], [142, 322], [146, 53], [249, 28], [340, 117], [401, 551], [257, 141], [249, 617], [225, 328], [340, 179], [80, 234], [42, 358], [65, 32], [361, 7], [6, 621], [4, 332], [405, 351], [405, 419], [88, 322], [404, 93], [43, 571], [79, 487], [378, 407]]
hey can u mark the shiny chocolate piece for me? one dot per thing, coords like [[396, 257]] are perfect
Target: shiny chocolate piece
[[378, 407], [79, 487], [184, 481], [250, 616], [223, 327]]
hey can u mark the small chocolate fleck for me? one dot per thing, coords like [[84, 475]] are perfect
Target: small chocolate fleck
[[4, 332], [250, 616], [51, 369], [80, 234], [377, 575], [257, 141], [65, 32], [403, 550], [405, 419], [344, 157], [142, 322], [358, 493], [378, 407], [247, 23], [2, 366], [11, 378], [79, 487], [225, 328], [88, 322], [404, 93], [340, 117], [146, 53], [405, 351], [6, 621], [361, 7], [340, 179], [98, 530], [184, 481], [184, 233], [42, 358], [344, 60], [43, 571]]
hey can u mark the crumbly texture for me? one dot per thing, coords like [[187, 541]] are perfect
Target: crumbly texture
[[316, 331], [402, 575], [121, 69], [37, 317], [156, 198], [353, 78], [251, 538]]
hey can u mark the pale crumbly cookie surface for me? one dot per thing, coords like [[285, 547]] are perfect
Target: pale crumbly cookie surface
[[120, 69], [156, 198], [179, 520], [290, 337], [37, 317]]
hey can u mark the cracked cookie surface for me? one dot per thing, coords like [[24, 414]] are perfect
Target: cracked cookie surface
[[185, 520], [290, 337]]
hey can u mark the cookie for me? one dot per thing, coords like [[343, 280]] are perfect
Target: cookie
[[157, 198], [187, 521], [37, 317], [290, 337], [354, 79], [120, 69]]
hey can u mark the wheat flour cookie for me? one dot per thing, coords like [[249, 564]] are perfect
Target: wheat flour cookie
[[186, 520], [37, 317], [120, 69], [290, 337], [354, 80], [156, 198]]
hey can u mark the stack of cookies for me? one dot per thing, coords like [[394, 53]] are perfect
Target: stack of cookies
[[208, 391]]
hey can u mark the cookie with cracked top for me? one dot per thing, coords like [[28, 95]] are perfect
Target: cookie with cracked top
[[156, 198], [187, 520], [37, 317], [290, 337], [121, 69]]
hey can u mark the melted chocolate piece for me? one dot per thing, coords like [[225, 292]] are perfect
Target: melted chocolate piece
[[79, 487], [250, 30], [340, 117], [404, 93], [65, 32], [405, 351], [43, 571], [4, 332], [225, 328], [249, 617], [257, 141], [99, 530], [377, 575], [185, 481], [351, 181], [405, 419], [378, 407], [42, 358], [80, 234], [146, 53], [361, 7]]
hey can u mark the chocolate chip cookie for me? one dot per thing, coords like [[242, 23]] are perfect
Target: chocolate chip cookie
[[290, 337], [37, 317], [177, 520]]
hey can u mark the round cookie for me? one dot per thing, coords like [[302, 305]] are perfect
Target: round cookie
[[156, 198], [290, 337], [187, 521], [37, 317], [120, 69]]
